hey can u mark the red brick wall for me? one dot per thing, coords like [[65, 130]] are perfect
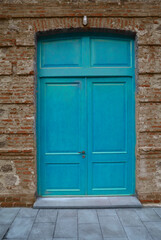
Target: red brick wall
[[19, 22]]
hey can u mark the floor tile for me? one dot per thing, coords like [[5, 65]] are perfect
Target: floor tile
[[155, 229], [137, 233], [89, 232], [66, 228], [87, 216], [46, 215], [158, 211], [128, 217], [64, 238], [20, 228], [42, 231], [67, 213], [27, 212], [7, 215], [115, 239], [3, 230], [148, 214], [111, 227], [106, 212]]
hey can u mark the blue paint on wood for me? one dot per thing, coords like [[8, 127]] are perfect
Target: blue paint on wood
[[110, 52], [110, 149], [86, 102], [58, 53]]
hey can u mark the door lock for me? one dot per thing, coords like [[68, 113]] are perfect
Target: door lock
[[83, 152]]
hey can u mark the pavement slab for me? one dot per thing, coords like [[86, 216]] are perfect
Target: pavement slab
[[138, 233], [64, 238], [46, 215], [20, 228], [106, 212], [42, 231], [148, 215], [89, 232], [66, 228], [65, 213], [87, 216], [27, 212], [80, 224], [7, 215], [158, 211], [111, 227], [129, 218], [154, 228], [115, 239], [3, 230]]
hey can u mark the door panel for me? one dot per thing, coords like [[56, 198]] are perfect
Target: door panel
[[110, 52], [109, 116], [62, 106], [109, 137], [63, 123], [57, 53]]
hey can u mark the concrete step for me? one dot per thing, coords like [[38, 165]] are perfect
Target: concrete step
[[88, 202]]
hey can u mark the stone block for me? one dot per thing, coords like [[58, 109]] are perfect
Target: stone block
[[149, 59], [25, 67], [5, 67]]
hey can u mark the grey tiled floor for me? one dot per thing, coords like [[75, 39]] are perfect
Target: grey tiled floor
[[84, 224]]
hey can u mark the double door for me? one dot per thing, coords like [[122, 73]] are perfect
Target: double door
[[86, 137]]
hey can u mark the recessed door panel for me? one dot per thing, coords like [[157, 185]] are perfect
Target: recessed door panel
[[108, 176], [62, 107], [109, 116], [108, 52], [61, 53], [63, 176]]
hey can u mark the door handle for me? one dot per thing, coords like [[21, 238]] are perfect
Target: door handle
[[83, 152]]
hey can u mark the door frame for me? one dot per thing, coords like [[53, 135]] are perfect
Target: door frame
[[130, 72]]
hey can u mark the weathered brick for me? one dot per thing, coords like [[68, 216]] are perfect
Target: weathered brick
[[150, 117], [17, 142], [65, 8], [148, 178], [149, 140], [25, 40], [16, 118], [5, 67], [25, 67], [8, 30], [149, 88], [17, 53], [14, 179], [16, 89], [149, 59]]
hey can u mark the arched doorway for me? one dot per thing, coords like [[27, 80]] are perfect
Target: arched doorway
[[86, 115]]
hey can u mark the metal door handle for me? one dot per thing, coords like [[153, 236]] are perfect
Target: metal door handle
[[83, 152]]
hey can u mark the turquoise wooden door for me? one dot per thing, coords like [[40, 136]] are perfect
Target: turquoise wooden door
[[85, 116], [110, 121], [63, 128]]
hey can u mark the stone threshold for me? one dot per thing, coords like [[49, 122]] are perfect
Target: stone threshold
[[88, 202]]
